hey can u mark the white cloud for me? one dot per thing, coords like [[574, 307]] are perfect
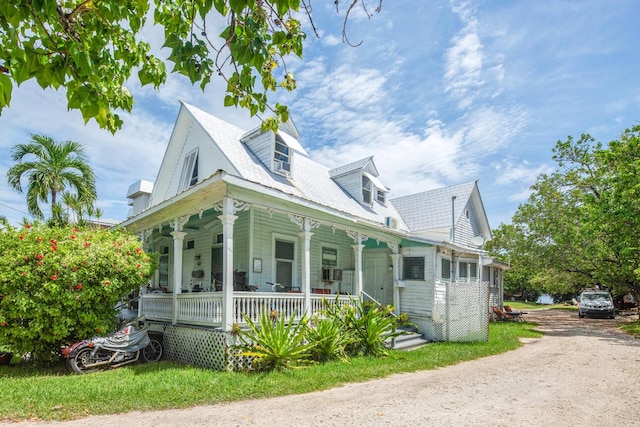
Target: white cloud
[[491, 128], [520, 173], [331, 40], [464, 61]]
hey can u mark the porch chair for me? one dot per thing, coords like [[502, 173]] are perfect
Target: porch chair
[[517, 315], [500, 315]]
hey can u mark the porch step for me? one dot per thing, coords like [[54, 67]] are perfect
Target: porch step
[[409, 340]]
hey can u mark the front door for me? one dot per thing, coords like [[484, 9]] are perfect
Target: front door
[[377, 279]]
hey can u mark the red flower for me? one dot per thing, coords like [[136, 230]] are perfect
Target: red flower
[[75, 230], [28, 225], [21, 237], [54, 277], [54, 247], [106, 283], [3, 323], [139, 265], [87, 244], [53, 242], [72, 237], [138, 249], [99, 330], [39, 239], [39, 262], [39, 256], [78, 286], [24, 273], [74, 268]]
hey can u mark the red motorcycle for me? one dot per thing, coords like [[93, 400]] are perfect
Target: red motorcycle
[[126, 346]]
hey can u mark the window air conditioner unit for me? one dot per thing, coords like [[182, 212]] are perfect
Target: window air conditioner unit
[[391, 222], [281, 167]]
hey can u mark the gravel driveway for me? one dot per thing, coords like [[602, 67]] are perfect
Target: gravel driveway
[[582, 372]]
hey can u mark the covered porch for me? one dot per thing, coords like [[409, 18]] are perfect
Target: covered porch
[[220, 254], [207, 308]]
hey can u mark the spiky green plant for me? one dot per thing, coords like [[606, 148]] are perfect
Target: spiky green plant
[[275, 343], [370, 326], [373, 328], [329, 340]]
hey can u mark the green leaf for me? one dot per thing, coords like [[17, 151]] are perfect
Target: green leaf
[[238, 5], [5, 91], [221, 7], [230, 101], [279, 37]]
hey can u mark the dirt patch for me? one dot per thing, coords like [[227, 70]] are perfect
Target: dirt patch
[[582, 372]]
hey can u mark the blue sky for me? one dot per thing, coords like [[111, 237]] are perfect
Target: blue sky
[[438, 92]]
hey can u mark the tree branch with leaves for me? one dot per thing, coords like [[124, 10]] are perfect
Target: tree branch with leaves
[[91, 49]]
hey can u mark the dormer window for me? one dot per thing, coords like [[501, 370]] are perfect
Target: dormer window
[[281, 157], [381, 195], [366, 189], [189, 175]]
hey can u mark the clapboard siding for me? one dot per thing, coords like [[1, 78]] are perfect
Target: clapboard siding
[[417, 296], [262, 146], [351, 183], [467, 226]]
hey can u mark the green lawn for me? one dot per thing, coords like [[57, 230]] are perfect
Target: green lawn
[[54, 393], [521, 305]]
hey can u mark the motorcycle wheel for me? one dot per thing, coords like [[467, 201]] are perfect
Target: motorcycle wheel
[[83, 358], [152, 352]]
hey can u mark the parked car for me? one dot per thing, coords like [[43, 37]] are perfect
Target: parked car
[[596, 303]]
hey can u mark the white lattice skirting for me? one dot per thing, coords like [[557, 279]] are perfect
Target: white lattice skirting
[[199, 346]]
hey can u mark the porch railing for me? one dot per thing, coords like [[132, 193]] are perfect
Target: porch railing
[[205, 309]]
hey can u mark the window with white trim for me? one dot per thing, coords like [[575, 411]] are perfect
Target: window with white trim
[[413, 268], [281, 157], [468, 271], [366, 189], [445, 269], [163, 268], [284, 257], [329, 257], [189, 176], [381, 196]]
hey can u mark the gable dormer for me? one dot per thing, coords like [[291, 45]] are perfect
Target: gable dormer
[[275, 150], [360, 180]]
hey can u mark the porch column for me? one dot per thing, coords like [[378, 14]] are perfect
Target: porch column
[[357, 256], [395, 260], [305, 240], [228, 219], [178, 239]]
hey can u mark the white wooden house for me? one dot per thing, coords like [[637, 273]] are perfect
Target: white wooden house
[[234, 211]]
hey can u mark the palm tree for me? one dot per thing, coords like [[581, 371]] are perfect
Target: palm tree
[[50, 168]]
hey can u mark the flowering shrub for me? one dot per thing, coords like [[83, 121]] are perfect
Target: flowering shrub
[[62, 284]]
